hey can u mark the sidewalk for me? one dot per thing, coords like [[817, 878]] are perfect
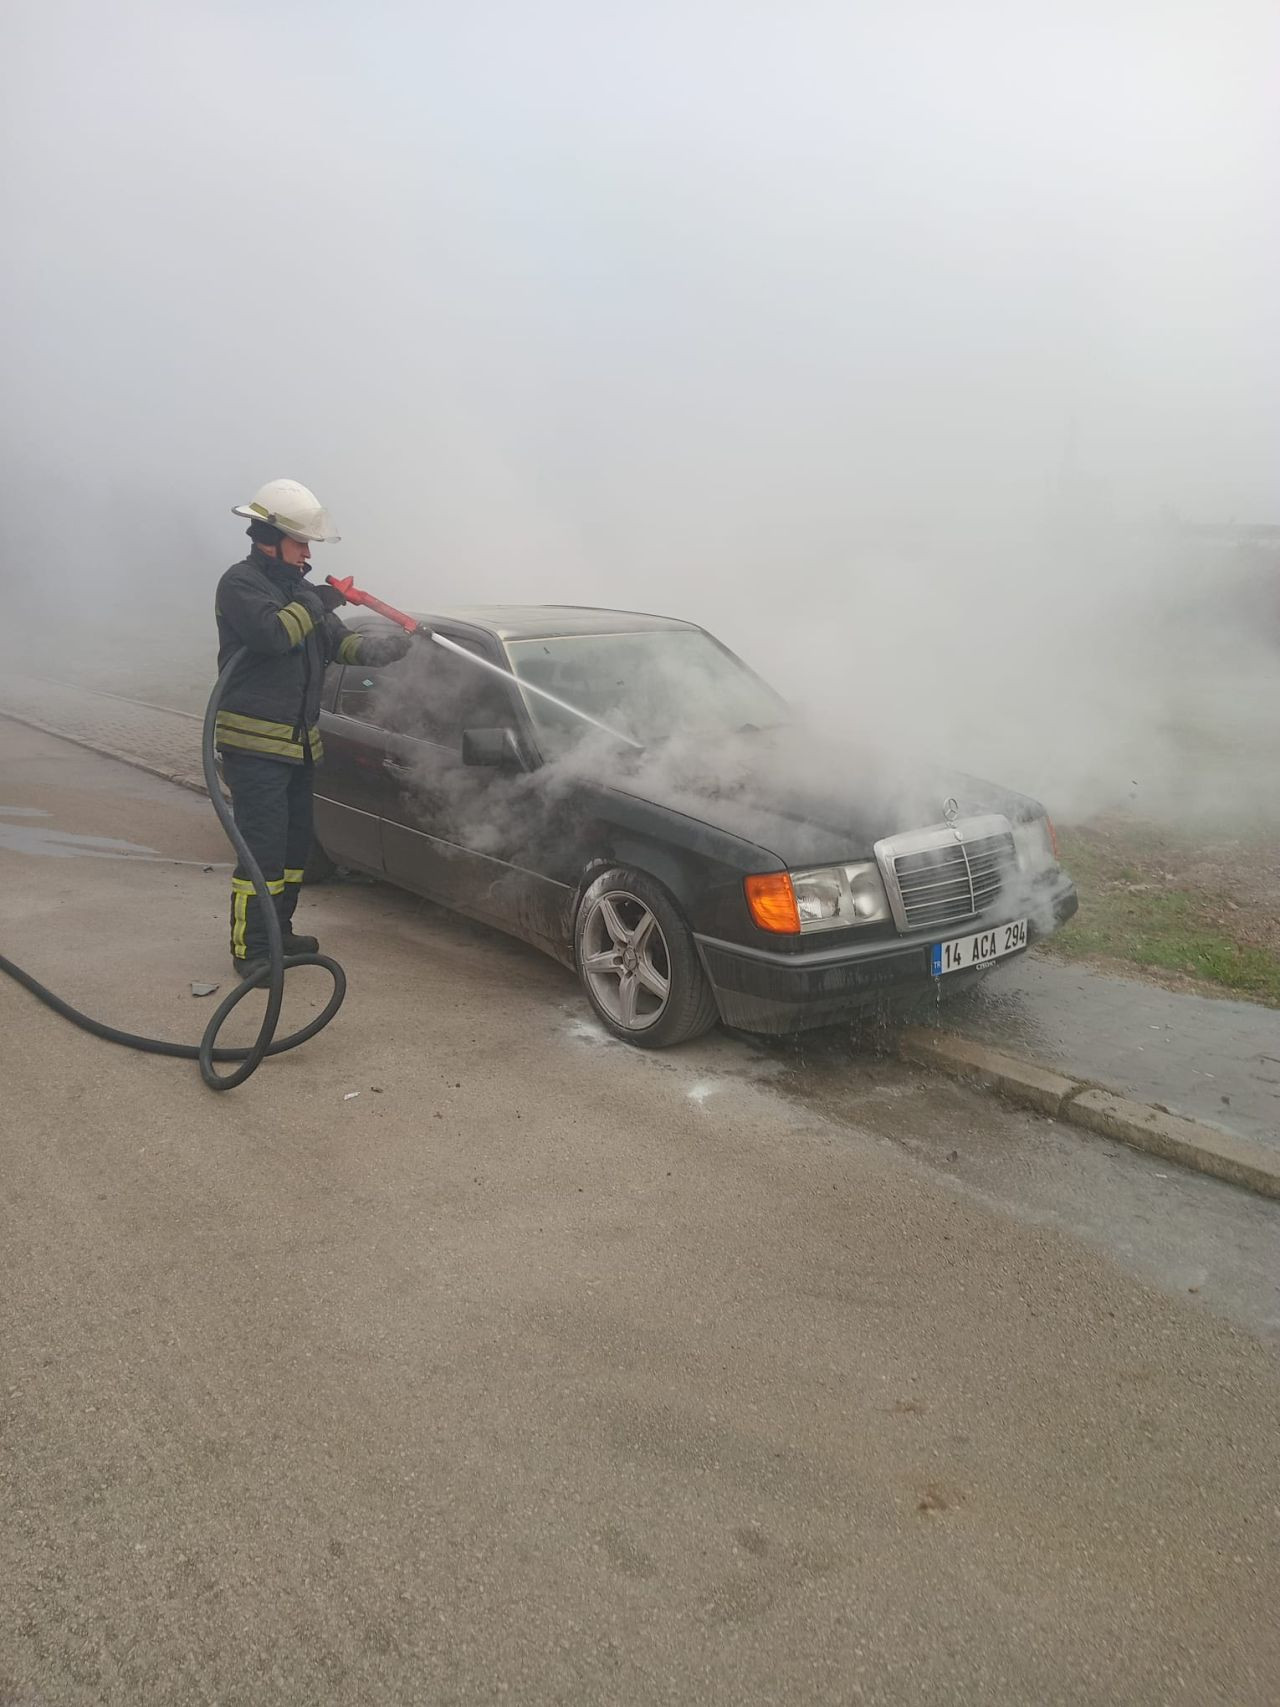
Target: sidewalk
[[163, 741], [1212, 1061]]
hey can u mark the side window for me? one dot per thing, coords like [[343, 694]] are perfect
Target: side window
[[430, 695], [362, 688]]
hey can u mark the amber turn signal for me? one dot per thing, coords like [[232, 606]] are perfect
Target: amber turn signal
[[1053, 836], [772, 902]]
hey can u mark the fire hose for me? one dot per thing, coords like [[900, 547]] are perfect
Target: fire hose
[[208, 1053]]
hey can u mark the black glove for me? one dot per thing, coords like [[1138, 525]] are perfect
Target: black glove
[[328, 596]]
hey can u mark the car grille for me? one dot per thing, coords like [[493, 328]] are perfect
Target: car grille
[[940, 877]]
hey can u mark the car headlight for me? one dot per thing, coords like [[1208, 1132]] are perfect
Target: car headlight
[[1036, 844], [830, 897]]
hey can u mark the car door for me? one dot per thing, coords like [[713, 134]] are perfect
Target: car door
[[355, 786], [467, 835]]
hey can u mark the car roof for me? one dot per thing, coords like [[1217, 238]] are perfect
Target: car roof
[[545, 622]]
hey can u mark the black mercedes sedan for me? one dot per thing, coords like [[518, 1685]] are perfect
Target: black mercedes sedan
[[624, 793]]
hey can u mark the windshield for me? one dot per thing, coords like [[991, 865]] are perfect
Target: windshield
[[648, 686]]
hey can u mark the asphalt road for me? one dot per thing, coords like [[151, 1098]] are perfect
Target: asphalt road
[[545, 1370]]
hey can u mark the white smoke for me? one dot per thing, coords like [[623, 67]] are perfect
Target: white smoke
[[876, 339]]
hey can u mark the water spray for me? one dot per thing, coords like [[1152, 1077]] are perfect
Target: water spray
[[356, 596]]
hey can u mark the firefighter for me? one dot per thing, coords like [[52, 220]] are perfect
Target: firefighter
[[268, 733]]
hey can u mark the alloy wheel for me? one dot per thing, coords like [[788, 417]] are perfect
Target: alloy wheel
[[625, 960]]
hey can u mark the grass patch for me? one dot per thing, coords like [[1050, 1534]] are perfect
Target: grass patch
[[1130, 911]]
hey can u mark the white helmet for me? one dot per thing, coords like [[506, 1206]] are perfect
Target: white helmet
[[293, 508]]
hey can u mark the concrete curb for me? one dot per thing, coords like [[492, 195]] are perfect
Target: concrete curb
[[1189, 1143]]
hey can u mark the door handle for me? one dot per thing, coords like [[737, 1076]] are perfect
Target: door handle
[[402, 773]]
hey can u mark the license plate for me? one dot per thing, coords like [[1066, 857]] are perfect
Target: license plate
[[964, 952]]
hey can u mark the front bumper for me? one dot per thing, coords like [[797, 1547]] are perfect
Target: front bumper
[[761, 990]]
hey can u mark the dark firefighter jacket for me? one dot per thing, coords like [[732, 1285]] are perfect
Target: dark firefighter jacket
[[271, 704]]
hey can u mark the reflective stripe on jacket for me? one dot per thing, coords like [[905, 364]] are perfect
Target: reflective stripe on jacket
[[271, 704], [272, 740]]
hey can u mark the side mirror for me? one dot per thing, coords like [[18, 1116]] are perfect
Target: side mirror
[[495, 748]]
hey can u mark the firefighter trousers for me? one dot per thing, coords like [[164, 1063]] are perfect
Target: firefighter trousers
[[272, 803]]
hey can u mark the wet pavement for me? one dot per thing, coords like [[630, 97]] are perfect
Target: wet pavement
[[1210, 1060], [470, 1355], [1216, 1061]]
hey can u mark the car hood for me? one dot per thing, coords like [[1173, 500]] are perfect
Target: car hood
[[806, 798]]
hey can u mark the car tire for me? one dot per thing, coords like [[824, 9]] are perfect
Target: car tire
[[638, 963]]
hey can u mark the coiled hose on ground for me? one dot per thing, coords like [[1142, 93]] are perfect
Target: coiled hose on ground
[[207, 1052]]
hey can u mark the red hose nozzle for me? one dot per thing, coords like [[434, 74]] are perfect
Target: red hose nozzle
[[356, 596]]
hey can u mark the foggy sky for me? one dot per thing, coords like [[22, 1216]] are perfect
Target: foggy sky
[[736, 310]]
